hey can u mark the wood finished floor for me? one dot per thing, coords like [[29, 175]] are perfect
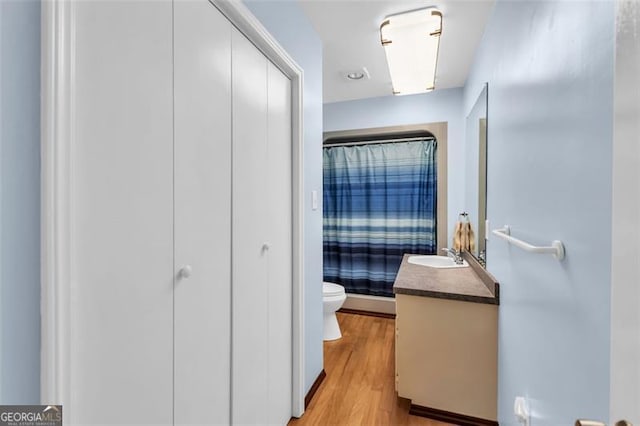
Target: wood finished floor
[[359, 388]]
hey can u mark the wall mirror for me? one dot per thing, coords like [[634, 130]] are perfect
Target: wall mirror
[[476, 171]]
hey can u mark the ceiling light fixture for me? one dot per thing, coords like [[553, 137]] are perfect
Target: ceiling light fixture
[[411, 41], [358, 74]]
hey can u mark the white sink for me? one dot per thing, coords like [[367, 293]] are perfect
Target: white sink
[[435, 261]]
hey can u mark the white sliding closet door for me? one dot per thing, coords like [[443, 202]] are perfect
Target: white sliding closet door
[[180, 290], [121, 291], [202, 67], [279, 261], [250, 200], [262, 239]]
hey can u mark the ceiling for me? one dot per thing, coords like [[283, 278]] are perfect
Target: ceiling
[[349, 30]]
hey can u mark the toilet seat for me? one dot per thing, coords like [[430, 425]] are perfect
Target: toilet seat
[[331, 289]]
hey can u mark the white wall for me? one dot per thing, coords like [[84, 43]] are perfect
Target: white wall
[[286, 21], [19, 202], [625, 292], [436, 106], [550, 71]]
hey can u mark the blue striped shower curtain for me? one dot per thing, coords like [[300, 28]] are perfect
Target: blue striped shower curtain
[[379, 203]]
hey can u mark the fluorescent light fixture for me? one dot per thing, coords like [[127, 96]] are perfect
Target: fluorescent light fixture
[[411, 42]]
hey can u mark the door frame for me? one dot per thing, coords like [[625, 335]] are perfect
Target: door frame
[[57, 141], [624, 365]]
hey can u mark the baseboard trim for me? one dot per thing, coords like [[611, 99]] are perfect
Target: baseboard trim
[[314, 388], [367, 313], [449, 417], [365, 302]]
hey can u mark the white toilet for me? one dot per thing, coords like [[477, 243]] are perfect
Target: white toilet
[[333, 296]]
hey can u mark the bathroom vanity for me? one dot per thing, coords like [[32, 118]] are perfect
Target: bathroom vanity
[[447, 341]]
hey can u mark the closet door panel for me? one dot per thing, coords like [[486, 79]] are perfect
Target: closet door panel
[[250, 200], [202, 50], [279, 227], [121, 341]]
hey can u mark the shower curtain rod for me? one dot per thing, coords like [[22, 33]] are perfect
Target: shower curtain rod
[[375, 141]]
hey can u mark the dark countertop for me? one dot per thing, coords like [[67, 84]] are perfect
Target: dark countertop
[[471, 284]]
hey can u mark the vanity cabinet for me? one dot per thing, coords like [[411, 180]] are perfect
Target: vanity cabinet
[[446, 344]]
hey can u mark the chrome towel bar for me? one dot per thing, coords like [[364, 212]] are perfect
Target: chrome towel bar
[[556, 248]]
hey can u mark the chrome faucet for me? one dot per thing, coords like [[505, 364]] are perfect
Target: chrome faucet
[[457, 256]]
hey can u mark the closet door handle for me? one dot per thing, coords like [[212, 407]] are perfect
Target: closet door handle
[[186, 271], [266, 246]]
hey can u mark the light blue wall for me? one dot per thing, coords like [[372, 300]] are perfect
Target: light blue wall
[[436, 106], [19, 202], [290, 26], [550, 71]]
